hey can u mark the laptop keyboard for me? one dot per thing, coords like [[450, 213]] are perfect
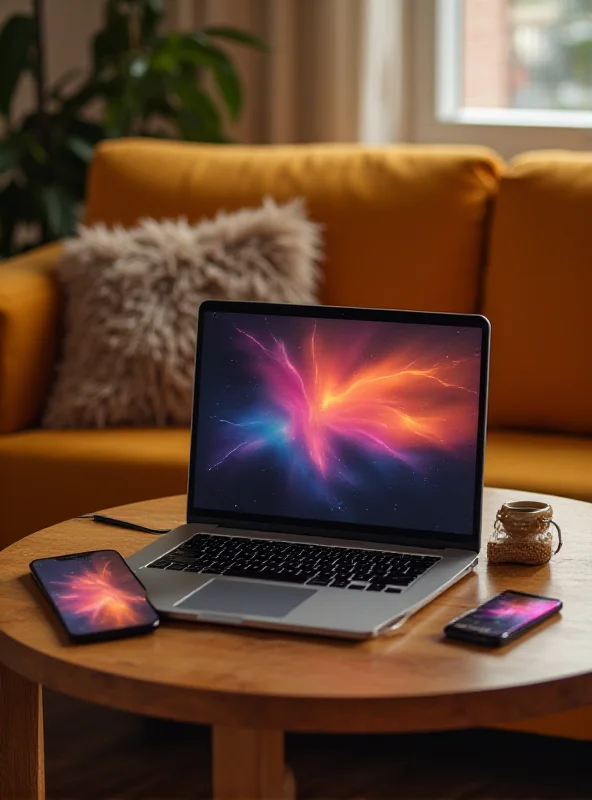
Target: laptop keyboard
[[314, 565]]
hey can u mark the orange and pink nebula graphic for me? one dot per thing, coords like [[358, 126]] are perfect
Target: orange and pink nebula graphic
[[507, 611], [336, 406], [97, 593]]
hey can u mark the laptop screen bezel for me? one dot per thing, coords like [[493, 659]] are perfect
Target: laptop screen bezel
[[324, 528]]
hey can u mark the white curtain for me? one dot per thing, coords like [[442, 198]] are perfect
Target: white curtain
[[384, 90], [333, 73]]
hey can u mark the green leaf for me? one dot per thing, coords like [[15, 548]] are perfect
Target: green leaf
[[68, 172], [8, 223], [166, 61], [199, 50], [17, 206], [119, 117], [152, 14], [236, 35], [81, 148], [16, 38], [62, 82], [83, 95], [10, 155], [31, 144], [9, 217], [111, 89], [111, 42], [92, 132], [60, 210], [230, 87], [198, 116], [29, 139]]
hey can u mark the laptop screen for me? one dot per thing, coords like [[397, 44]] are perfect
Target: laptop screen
[[344, 421]]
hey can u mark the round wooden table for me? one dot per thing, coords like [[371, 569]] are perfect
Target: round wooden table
[[252, 686]]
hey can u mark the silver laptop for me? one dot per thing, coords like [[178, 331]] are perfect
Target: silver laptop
[[336, 468]]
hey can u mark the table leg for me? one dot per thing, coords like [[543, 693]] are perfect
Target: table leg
[[248, 764], [22, 774]]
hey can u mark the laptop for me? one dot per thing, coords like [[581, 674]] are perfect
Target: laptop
[[336, 468]]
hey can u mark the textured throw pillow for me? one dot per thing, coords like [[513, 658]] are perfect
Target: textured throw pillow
[[132, 300]]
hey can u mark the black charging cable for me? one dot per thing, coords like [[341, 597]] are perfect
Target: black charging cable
[[122, 523]]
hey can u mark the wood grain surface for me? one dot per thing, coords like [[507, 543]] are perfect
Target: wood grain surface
[[249, 763], [94, 753], [413, 680], [21, 738]]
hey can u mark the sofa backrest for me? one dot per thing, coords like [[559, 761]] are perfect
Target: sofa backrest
[[538, 294], [404, 227]]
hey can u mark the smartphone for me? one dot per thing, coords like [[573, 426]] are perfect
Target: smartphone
[[503, 618], [95, 595]]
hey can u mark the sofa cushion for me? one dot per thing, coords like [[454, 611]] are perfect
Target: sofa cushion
[[404, 226], [133, 297], [538, 294], [539, 462], [50, 476], [30, 310]]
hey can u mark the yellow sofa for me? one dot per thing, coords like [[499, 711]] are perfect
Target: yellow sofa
[[438, 228]]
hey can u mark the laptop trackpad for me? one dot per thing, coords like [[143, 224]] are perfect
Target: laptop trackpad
[[246, 599]]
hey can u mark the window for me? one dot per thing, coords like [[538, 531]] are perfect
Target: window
[[517, 62], [513, 74]]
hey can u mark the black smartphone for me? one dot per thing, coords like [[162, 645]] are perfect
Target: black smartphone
[[503, 618], [95, 595]]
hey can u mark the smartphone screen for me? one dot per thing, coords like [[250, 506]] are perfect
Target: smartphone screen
[[96, 595], [504, 616]]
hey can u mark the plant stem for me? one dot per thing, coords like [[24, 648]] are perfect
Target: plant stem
[[39, 19], [134, 28], [42, 118]]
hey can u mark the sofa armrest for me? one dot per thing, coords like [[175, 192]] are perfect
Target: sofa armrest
[[30, 307]]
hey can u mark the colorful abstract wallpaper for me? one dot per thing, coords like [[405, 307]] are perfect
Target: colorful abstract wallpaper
[[508, 611], [96, 593], [371, 423]]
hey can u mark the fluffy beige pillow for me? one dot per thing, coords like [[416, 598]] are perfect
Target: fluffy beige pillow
[[132, 300]]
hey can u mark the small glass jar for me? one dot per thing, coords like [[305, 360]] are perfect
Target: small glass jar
[[522, 534]]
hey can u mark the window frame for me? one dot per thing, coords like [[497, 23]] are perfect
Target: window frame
[[436, 113]]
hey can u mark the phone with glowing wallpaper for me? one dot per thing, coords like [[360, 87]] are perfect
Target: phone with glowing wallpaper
[[503, 618], [95, 595]]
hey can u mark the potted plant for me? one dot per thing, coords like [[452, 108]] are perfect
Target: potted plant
[[142, 82]]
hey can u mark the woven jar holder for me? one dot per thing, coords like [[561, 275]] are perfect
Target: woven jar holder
[[522, 534]]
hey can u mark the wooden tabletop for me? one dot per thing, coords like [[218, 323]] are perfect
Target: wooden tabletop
[[411, 680]]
